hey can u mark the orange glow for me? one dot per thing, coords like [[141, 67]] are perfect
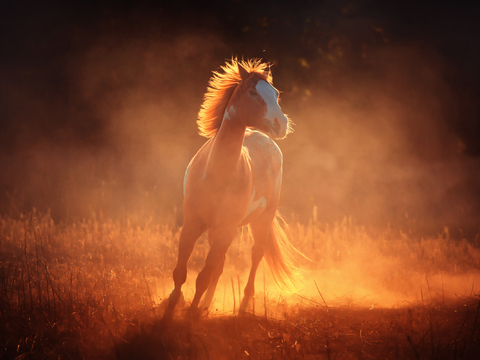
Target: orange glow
[[354, 269]]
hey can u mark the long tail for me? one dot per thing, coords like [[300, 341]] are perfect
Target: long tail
[[279, 253]]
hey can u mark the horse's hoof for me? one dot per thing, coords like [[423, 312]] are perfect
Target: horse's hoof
[[181, 300], [176, 295], [196, 314], [246, 304], [168, 305]]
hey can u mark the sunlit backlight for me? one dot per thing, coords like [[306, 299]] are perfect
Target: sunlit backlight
[[351, 268]]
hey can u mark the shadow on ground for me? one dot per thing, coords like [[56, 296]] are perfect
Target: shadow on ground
[[433, 331]]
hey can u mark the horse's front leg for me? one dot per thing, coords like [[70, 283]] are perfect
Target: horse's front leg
[[220, 239], [191, 231]]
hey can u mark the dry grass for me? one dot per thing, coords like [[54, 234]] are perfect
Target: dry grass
[[93, 290], [433, 332]]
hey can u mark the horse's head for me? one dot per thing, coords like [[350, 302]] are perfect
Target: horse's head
[[255, 102]]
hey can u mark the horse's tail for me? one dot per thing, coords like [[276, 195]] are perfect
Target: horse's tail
[[279, 253]]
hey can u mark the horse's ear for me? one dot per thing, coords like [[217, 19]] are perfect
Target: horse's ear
[[243, 72], [266, 72]]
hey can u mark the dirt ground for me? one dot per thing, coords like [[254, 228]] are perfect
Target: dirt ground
[[435, 331], [94, 290]]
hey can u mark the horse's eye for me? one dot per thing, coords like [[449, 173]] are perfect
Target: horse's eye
[[253, 93]]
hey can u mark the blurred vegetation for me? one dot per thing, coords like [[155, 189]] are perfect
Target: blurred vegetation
[[93, 288]]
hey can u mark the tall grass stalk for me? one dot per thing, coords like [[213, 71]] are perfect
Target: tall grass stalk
[[81, 284]]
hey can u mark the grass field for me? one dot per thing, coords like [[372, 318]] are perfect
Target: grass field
[[94, 290]]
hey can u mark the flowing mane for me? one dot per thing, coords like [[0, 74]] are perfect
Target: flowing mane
[[219, 91]]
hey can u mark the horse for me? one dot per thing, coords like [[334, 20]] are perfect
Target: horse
[[234, 180]]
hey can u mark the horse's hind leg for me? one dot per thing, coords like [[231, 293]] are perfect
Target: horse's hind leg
[[260, 232], [188, 236], [220, 240]]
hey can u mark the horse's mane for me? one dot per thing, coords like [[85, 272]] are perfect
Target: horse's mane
[[219, 91]]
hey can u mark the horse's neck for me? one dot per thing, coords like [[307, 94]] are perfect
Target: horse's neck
[[226, 149]]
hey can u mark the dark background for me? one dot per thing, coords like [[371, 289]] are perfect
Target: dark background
[[98, 104]]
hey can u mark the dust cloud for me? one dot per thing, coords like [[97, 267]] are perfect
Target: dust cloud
[[375, 144], [373, 141], [121, 141], [348, 267]]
